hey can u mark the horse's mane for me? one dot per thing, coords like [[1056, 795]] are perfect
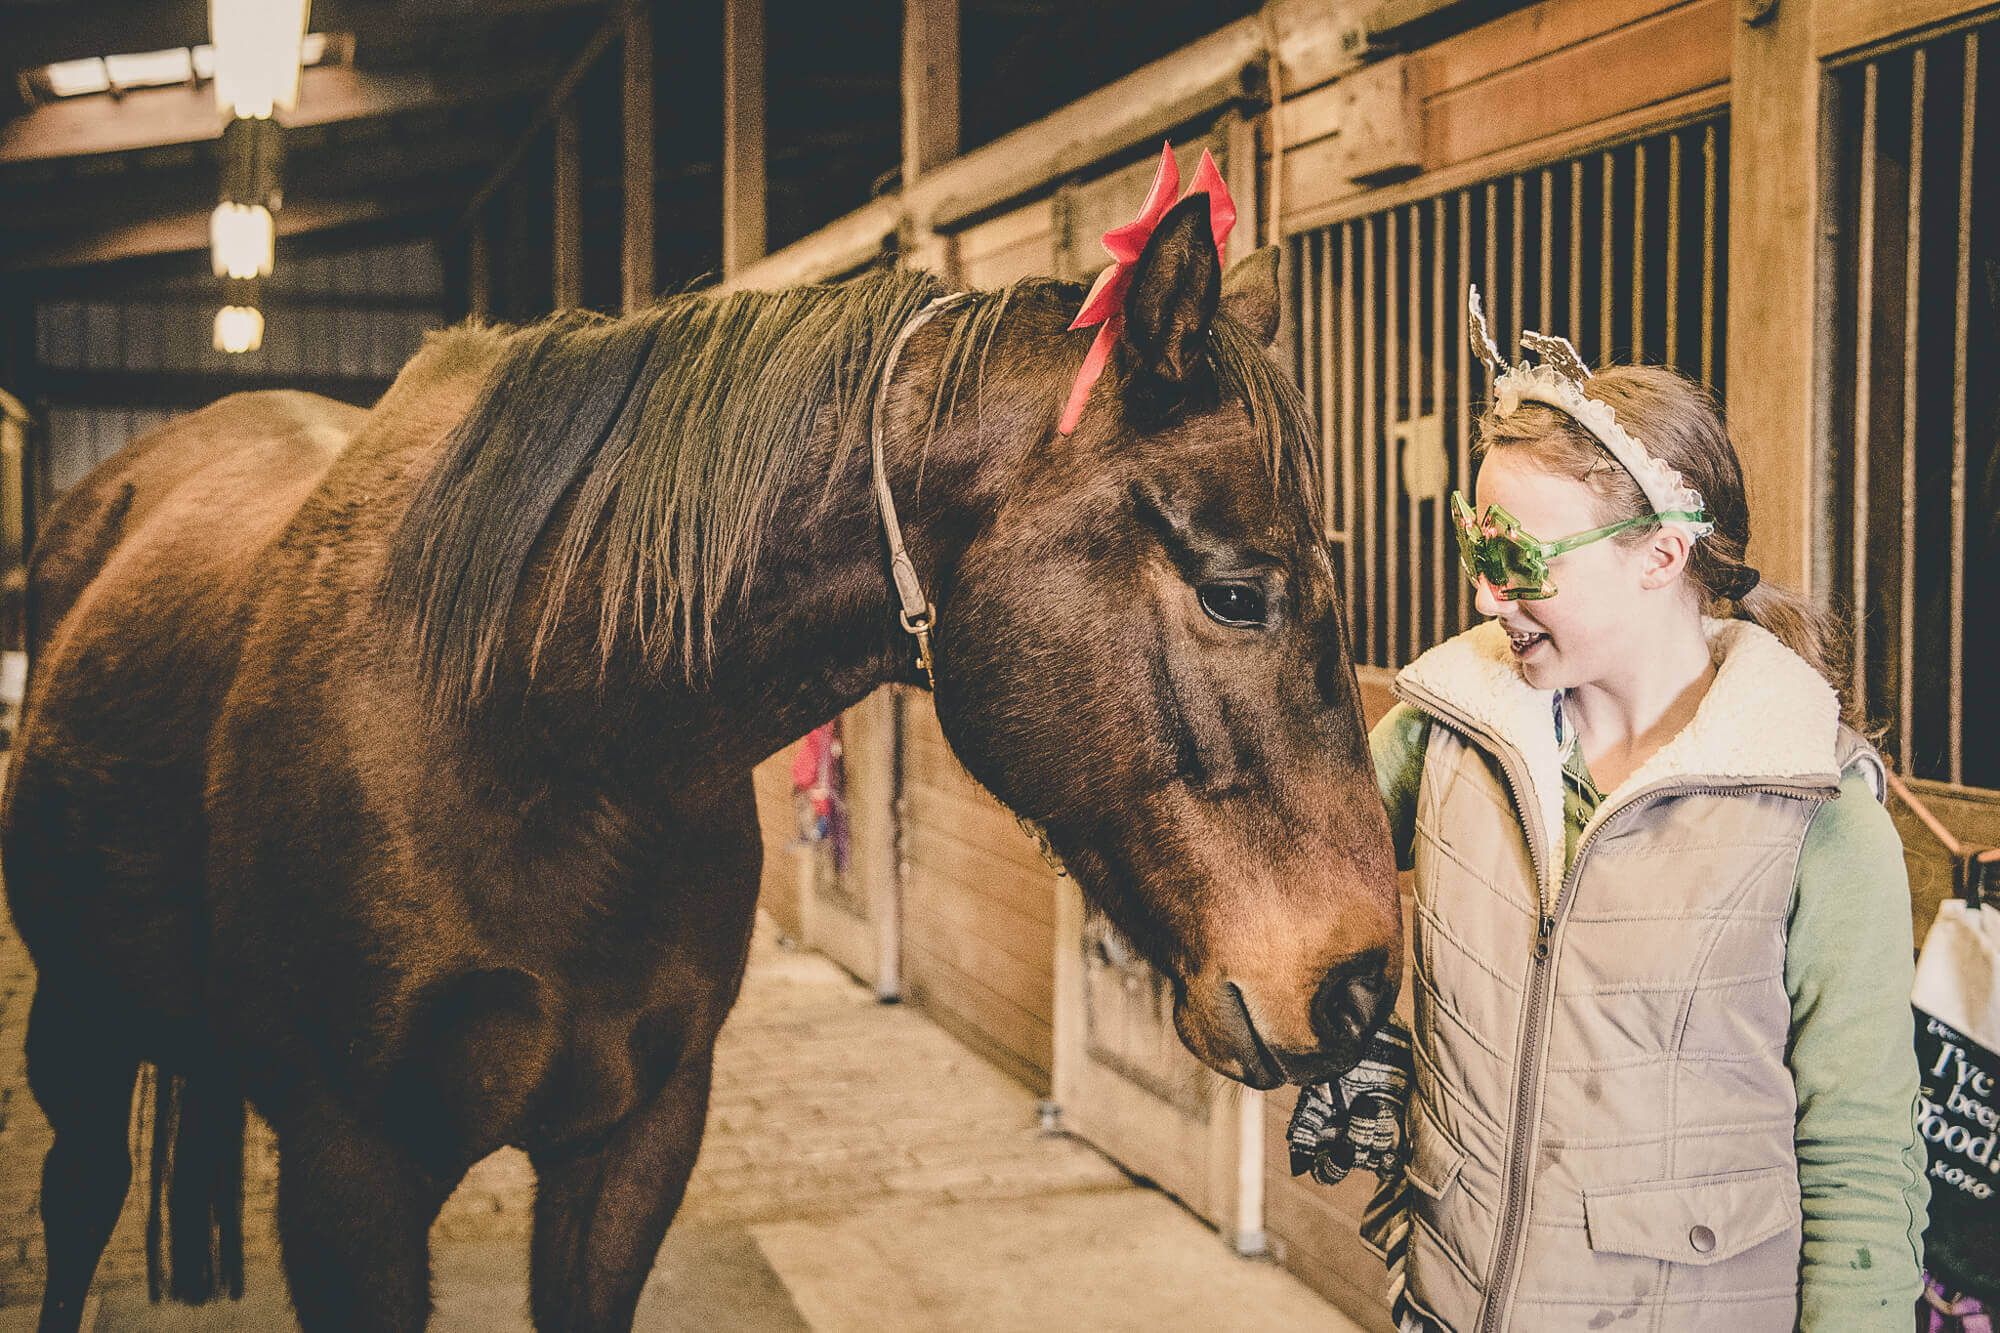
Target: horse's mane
[[674, 432]]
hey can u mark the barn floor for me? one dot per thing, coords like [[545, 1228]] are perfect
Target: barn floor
[[862, 1171]]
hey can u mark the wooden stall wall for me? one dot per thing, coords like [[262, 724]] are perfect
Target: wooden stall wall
[[1535, 84], [978, 910], [844, 908], [785, 861]]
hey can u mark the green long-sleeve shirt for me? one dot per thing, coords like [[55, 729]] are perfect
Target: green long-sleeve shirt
[[1848, 971]]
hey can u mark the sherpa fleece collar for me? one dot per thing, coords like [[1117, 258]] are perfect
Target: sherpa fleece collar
[[1768, 716]]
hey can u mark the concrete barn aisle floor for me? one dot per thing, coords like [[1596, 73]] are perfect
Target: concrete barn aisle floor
[[862, 1171]]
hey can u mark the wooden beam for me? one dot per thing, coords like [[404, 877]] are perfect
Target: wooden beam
[[567, 232], [189, 230], [157, 117], [1142, 107], [564, 88], [89, 200], [192, 389], [930, 85], [637, 265], [479, 270], [743, 195], [42, 34]]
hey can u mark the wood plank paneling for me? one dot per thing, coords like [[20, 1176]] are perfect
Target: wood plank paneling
[[1017, 244], [979, 909], [1843, 25], [1543, 75], [1637, 65], [780, 892]]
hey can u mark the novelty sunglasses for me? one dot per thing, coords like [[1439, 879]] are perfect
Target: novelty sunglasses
[[1493, 547]]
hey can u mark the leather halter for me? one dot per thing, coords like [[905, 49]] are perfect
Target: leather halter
[[919, 617]]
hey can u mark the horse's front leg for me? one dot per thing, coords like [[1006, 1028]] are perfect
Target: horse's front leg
[[354, 1218], [600, 1217]]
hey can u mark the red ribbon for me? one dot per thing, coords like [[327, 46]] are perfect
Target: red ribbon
[[1105, 306]]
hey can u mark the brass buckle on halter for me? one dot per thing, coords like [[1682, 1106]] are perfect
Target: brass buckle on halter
[[919, 627]]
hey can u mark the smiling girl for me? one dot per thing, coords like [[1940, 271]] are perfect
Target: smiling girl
[[1664, 1073]]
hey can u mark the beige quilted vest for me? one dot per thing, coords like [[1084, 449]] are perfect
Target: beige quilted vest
[[1603, 1119]]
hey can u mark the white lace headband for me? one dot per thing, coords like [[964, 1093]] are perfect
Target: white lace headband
[[1558, 383]]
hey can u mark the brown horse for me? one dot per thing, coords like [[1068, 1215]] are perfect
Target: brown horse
[[403, 788]]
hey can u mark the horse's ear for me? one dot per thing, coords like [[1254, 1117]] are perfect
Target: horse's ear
[[1172, 299], [1250, 293]]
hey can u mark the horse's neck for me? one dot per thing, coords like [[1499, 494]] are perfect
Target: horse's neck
[[817, 632]]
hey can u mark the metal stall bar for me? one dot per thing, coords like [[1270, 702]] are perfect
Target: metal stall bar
[[1708, 149], [1548, 244], [1674, 249], [1492, 284], [1961, 328], [1638, 252], [1575, 329], [1515, 320], [1367, 449], [1414, 537], [1349, 427], [1604, 350], [1464, 586], [1392, 393], [1906, 693], [1864, 316], [1441, 539]]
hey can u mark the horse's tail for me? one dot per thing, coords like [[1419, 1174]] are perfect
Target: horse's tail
[[194, 1219]]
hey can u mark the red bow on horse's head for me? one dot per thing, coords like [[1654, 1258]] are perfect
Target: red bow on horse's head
[[1105, 306]]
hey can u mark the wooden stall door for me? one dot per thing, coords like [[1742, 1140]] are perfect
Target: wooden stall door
[[845, 911], [1123, 1079]]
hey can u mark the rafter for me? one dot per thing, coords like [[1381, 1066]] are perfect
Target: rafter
[[155, 117], [189, 230], [42, 34]]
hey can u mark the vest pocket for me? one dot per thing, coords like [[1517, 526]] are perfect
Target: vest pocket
[[1696, 1220], [1435, 1160]]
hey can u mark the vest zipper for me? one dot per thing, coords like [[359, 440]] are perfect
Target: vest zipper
[[1494, 1310]]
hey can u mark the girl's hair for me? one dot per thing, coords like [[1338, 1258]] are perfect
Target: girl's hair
[[1681, 423]]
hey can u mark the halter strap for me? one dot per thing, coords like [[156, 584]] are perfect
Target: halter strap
[[919, 617]]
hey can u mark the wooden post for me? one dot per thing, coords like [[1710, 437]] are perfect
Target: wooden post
[[638, 101], [479, 271], [1239, 169], [568, 221], [930, 85], [1774, 246], [743, 186]]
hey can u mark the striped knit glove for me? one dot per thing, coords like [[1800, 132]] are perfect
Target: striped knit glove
[[1356, 1120]]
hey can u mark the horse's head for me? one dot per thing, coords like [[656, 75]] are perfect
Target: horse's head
[[1144, 652]]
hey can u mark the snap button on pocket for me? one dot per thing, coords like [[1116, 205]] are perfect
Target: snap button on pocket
[[1702, 1239]]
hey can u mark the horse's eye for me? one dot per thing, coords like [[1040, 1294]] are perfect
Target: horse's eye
[[1237, 605]]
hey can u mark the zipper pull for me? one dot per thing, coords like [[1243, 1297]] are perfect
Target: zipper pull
[[1542, 933]]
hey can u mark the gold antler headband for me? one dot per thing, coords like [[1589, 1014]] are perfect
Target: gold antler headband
[[1558, 382]]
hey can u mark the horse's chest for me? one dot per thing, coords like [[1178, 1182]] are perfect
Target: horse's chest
[[609, 1066]]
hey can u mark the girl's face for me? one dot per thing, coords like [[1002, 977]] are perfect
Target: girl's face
[[1581, 635]]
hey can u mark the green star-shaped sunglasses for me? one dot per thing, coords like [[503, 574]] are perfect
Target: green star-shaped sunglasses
[[1492, 546]]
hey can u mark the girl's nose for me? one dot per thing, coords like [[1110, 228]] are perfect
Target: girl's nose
[[1483, 599]]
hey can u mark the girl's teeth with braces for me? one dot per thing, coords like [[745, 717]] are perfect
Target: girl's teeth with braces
[[1522, 638]]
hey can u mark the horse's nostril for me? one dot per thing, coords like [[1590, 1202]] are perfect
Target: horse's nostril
[[1352, 1000]]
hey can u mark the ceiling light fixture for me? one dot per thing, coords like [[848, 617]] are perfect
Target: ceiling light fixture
[[239, 328], [258, 45], [242, 240]]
